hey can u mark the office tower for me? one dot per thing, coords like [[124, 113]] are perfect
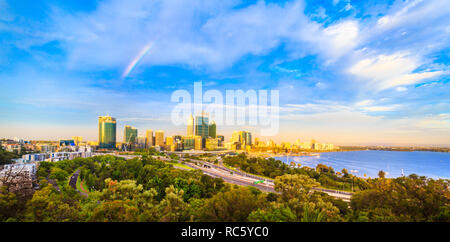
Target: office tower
[[190, 126], [169, 140], [198, 142], [130, 135], [177, 146], [77, 139], [149, 136], [106, 132], [159, 138], [66, 142], [244, 138], [201, 126], [235, 137], [141, 140], [188, 142], [313, 144], [212, 129], [256, 141], [221, 137], [221, 140], [211, 144], [177, 138], [248, 138]]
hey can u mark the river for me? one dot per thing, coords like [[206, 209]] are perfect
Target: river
[[370, 162]]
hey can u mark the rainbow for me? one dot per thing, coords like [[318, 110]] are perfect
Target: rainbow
[[136, 59]]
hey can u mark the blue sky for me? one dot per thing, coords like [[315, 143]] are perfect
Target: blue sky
[[349, 72]]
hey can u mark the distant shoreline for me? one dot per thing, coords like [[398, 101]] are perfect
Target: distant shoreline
[[269, 155]]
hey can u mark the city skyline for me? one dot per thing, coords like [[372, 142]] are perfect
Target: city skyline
[[349, 73], [228, 136]]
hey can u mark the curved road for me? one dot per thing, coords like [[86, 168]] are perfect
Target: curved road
[[73, 182], [242, 178]]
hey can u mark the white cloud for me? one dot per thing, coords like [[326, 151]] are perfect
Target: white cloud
[[413, 12], [401, 89], [364, 103], [435, 122], [213, 34], [342, 36], [380, 108], [388, 71]]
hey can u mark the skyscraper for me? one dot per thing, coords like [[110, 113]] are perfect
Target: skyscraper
[[169, 140], [242, 137], [235, 137], [141, 141], [212, 129], [188, 142], [77, 139], [198, 142], [201, 126], [190, 126], [149, 136], [106, 132], [130, 135], [221, 137], [159, 138], [248, 138]]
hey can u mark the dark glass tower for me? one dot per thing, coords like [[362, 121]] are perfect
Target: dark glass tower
[[212, 129], [130, 135], [202, 126]]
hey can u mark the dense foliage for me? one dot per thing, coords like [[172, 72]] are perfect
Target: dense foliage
[[272, 168], [410, 198], [6, 156], [150, 190]]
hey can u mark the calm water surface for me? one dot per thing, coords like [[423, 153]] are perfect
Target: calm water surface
[[423, 163]]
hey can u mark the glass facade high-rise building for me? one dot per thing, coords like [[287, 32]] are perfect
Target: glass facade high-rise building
[[130, 135], [188, 142], [202, 126], [212, 129], [106, 132], [248, 138]]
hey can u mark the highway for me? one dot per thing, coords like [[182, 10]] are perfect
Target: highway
[[241, 178]]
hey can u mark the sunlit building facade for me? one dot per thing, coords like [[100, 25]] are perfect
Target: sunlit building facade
[[211, 144], [198, 142], [106, 132], [169, 140], [159, 138], [190, 126], [77, 140]]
